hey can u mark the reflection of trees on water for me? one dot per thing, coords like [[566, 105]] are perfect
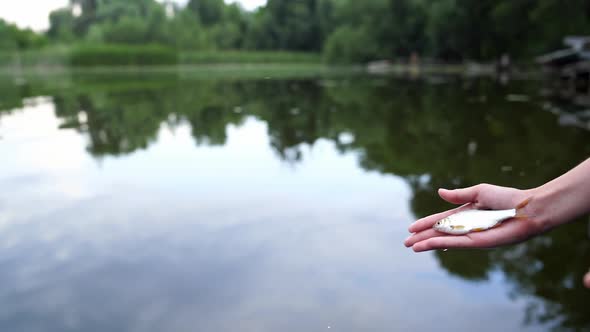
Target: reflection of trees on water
[[13, 95], [432, 135], [552, 268], [116, 123], [438, 140]]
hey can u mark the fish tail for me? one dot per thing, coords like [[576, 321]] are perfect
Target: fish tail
[[519, 213]]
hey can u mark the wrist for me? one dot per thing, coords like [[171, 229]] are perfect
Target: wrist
[[544, 207]]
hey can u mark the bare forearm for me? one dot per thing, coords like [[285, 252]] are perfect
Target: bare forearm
[[552, 204], [563, 199]]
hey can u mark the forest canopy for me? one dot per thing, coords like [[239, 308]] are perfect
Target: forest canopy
[[342, 30]]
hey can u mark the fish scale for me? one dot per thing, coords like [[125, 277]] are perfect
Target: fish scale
[[477, 220]]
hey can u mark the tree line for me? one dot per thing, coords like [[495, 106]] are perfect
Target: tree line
[[342, 30]]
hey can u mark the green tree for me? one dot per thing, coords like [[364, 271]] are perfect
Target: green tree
[[13, 38], [229, 32], [61, 25], [87, 15], [451, 30], [129, 30], [209, 12], [349, 45], [404, 28], [287, 25], [460, 29], [185, 32]]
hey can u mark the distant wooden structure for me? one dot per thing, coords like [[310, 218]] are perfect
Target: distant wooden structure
[[568, 70]]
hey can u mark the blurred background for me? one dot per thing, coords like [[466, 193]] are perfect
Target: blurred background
[[337, 31], [254, 165]]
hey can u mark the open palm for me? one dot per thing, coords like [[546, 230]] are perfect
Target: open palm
[[482, 196]]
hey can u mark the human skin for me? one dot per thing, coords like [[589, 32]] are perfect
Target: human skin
[[552, 204]]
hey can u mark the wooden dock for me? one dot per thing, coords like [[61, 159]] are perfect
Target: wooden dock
[[567, 71]]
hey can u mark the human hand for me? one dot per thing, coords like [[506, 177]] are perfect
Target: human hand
[[482, 196], [587, 280]]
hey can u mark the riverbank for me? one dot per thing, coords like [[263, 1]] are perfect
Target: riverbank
[[125, 59], [145, 55]]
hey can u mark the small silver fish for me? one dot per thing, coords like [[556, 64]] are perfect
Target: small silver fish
[[477, 220]]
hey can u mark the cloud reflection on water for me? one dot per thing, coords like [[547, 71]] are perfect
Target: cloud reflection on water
[[185, 238]]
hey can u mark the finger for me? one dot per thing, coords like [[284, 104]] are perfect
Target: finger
[[459, 196], [443, 242], [427, 222], [587, 280], [421, 236]]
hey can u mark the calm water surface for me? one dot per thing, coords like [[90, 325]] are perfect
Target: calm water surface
[[167, 203]]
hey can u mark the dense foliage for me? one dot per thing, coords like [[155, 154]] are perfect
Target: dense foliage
[[12, 38], [343, 30], [117, 55]]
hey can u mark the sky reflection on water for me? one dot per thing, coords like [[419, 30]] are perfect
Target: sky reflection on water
[[184, 238]]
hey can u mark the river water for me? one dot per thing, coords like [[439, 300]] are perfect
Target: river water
[[166, 202]]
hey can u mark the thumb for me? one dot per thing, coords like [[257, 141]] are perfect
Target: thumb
[[459, 196]]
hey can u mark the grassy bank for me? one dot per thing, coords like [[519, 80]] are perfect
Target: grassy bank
[[91, 56], [122, 55], [129, 59], [144, 55], [249, 57], [51, 57]]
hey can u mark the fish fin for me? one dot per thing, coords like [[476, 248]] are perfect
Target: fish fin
[[524, 203], [458, 227], [478, 229], [519, 207]]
